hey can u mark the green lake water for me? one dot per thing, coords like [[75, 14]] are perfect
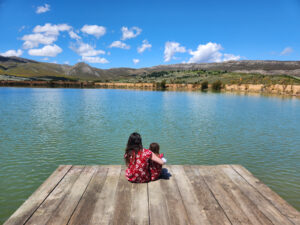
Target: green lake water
[[41, 128]]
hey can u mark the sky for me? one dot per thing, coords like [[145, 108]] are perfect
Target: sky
[[143, 33]]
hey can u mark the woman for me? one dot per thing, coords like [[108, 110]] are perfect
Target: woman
[[138, 159]]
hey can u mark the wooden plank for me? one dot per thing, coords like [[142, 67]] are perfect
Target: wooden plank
[[176, 213], [46, 210], [158, 211], [86, 206], [36, 199], [250, 209], [263, 205], [139, 203], [104, 207], [214, 211], [225, 198], [122, 212], [284, 207], [66, 208], [194, 211]]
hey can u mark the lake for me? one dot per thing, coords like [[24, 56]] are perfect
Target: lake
[[41, 128]]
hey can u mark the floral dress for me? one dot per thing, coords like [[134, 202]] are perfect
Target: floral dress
[[138, 169], [155, 168]]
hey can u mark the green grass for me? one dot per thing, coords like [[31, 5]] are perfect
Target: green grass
[[200, 76]]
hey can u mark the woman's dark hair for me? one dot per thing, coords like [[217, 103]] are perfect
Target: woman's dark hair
[[134, 145], [154, 147]]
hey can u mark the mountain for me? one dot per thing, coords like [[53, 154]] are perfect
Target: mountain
[[20, 67]]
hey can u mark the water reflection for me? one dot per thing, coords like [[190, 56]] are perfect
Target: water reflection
[[42, 128]]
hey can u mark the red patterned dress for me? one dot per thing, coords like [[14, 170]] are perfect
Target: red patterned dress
[[155, 168], [138, 169]]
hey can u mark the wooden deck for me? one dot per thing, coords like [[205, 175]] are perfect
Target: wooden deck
[[225, 194]]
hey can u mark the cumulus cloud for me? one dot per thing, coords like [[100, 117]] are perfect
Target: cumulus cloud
[[42, 9], [33, 40], [144, 46], [130, 33], [95, 30], [136, 61], [73, 35], [84, 49], [46, 35], [96, 59], [48, 51], [286, 51], [119, 44], [49, 29], [230, 57], [171, 48], [210, 52], [9, 53]]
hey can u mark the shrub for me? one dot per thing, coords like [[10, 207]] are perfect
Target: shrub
[[162, 84], [216, 86], [204, 85]]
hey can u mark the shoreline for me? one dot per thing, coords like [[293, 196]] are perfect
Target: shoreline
[[278, 89]]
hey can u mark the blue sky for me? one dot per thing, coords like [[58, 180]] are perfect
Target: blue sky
[[139, 33]]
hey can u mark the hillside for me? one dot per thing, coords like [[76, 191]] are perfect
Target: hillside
[[30, 69]]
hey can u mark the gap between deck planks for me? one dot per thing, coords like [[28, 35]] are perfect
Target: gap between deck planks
[[223, 194]]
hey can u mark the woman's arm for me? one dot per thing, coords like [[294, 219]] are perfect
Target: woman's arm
[[156, 159]]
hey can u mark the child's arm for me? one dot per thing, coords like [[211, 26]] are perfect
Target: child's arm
[[157, 159]]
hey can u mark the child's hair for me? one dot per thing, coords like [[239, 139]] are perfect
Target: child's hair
[[134, 145], [154, 147]]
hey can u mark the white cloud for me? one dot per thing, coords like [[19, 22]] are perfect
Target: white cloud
[[84, 49], [73, 35], [130, 33], [42, 9], [50, 29], [96, 59], [230, 57], [210, 52], [9, 53], [48, 51], [46, 35], [22, 28], [119, 44], [33, 40], [144, 46], [171, 48], [95, 30], [136, 61], [286, 51], [66, 62], [206, 53]]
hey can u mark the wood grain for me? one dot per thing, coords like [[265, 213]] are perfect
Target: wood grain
[[223, 194], [36, 199]]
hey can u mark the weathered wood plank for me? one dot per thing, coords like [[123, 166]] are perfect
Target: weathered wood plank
[[225, 198], [122, 212], [158, 211], [174, 204], [66, 208], [139, 203], [36, 199], [247, 206], [86, 206], [48, 207], [194, 211], [284, 207], [104, 207], [214, 211], [263, 205]]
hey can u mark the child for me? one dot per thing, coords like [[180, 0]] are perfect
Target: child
[[138, 160], [155, 168]]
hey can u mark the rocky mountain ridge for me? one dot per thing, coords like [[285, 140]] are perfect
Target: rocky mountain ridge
[[21, 67]]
